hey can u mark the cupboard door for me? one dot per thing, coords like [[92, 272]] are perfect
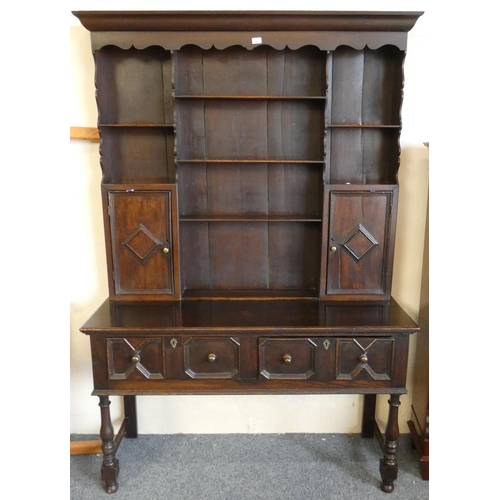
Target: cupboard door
[[359, 226], [141, 240]]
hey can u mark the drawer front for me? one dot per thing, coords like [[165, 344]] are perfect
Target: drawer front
[[364, 359], [135, 358], [212, 358], [289, 359], [202, 363]]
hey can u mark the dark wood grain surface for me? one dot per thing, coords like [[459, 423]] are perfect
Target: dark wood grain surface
[[290, 315], [249, 195], [247, 20]]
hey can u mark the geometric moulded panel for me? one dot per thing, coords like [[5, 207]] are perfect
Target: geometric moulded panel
[[142, 243], [212, 358], [287, 358], [368, 359], [359, 242], [135, 359]]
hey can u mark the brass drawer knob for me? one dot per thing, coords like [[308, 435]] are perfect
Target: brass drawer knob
[[363, 358], [136, 358], [287, 359], [212, 358]]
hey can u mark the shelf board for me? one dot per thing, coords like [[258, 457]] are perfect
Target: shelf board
[[201, 160], [249, 218], [254, 97], [196, 294], [136, 125], [352, 125]]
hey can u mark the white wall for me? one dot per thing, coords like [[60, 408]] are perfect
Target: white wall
[[88, 286]]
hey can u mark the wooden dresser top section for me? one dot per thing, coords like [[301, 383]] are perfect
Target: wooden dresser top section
[[246, 20], [172, 30], [292, 316]]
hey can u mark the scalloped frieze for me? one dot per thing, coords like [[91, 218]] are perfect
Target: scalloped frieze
[[222, 40]]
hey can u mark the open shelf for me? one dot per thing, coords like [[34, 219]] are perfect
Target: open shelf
[[233, 129], [253, 255], [134, 86], [253, 97], [285, 294], [137, 154], [362, 155], [356, 126], [365, 87], [136, 125], [263, 71], [248, 218], [249, 161], [262, 188]]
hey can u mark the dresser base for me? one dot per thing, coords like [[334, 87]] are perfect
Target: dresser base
[[110, 443]]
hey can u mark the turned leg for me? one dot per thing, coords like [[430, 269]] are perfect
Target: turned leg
[[110, 466], [130, 410], [369, 406], [388, 464]]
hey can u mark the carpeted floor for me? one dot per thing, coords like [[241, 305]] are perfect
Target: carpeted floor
[[249, 467]]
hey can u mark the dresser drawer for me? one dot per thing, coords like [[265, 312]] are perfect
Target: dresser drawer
[[162, 364], [212, 358], [135, 359], [288, 358], [364, 359]]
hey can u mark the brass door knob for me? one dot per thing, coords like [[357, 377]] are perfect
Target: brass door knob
[[287, 359], [166, 250], [363, 358], [136, 358], [211, 358], [333, 249]]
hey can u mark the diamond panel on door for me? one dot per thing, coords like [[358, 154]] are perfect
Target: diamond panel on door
[[359, 242], [142, 243]]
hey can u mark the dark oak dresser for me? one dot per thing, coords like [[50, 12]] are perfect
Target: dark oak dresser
[[250, 190]]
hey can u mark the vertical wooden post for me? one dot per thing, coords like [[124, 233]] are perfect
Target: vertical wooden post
[[369, 407], [110, 465], [388, 464], [130, 410]]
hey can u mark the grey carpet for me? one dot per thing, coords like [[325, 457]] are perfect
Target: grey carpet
[[249, 467]]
